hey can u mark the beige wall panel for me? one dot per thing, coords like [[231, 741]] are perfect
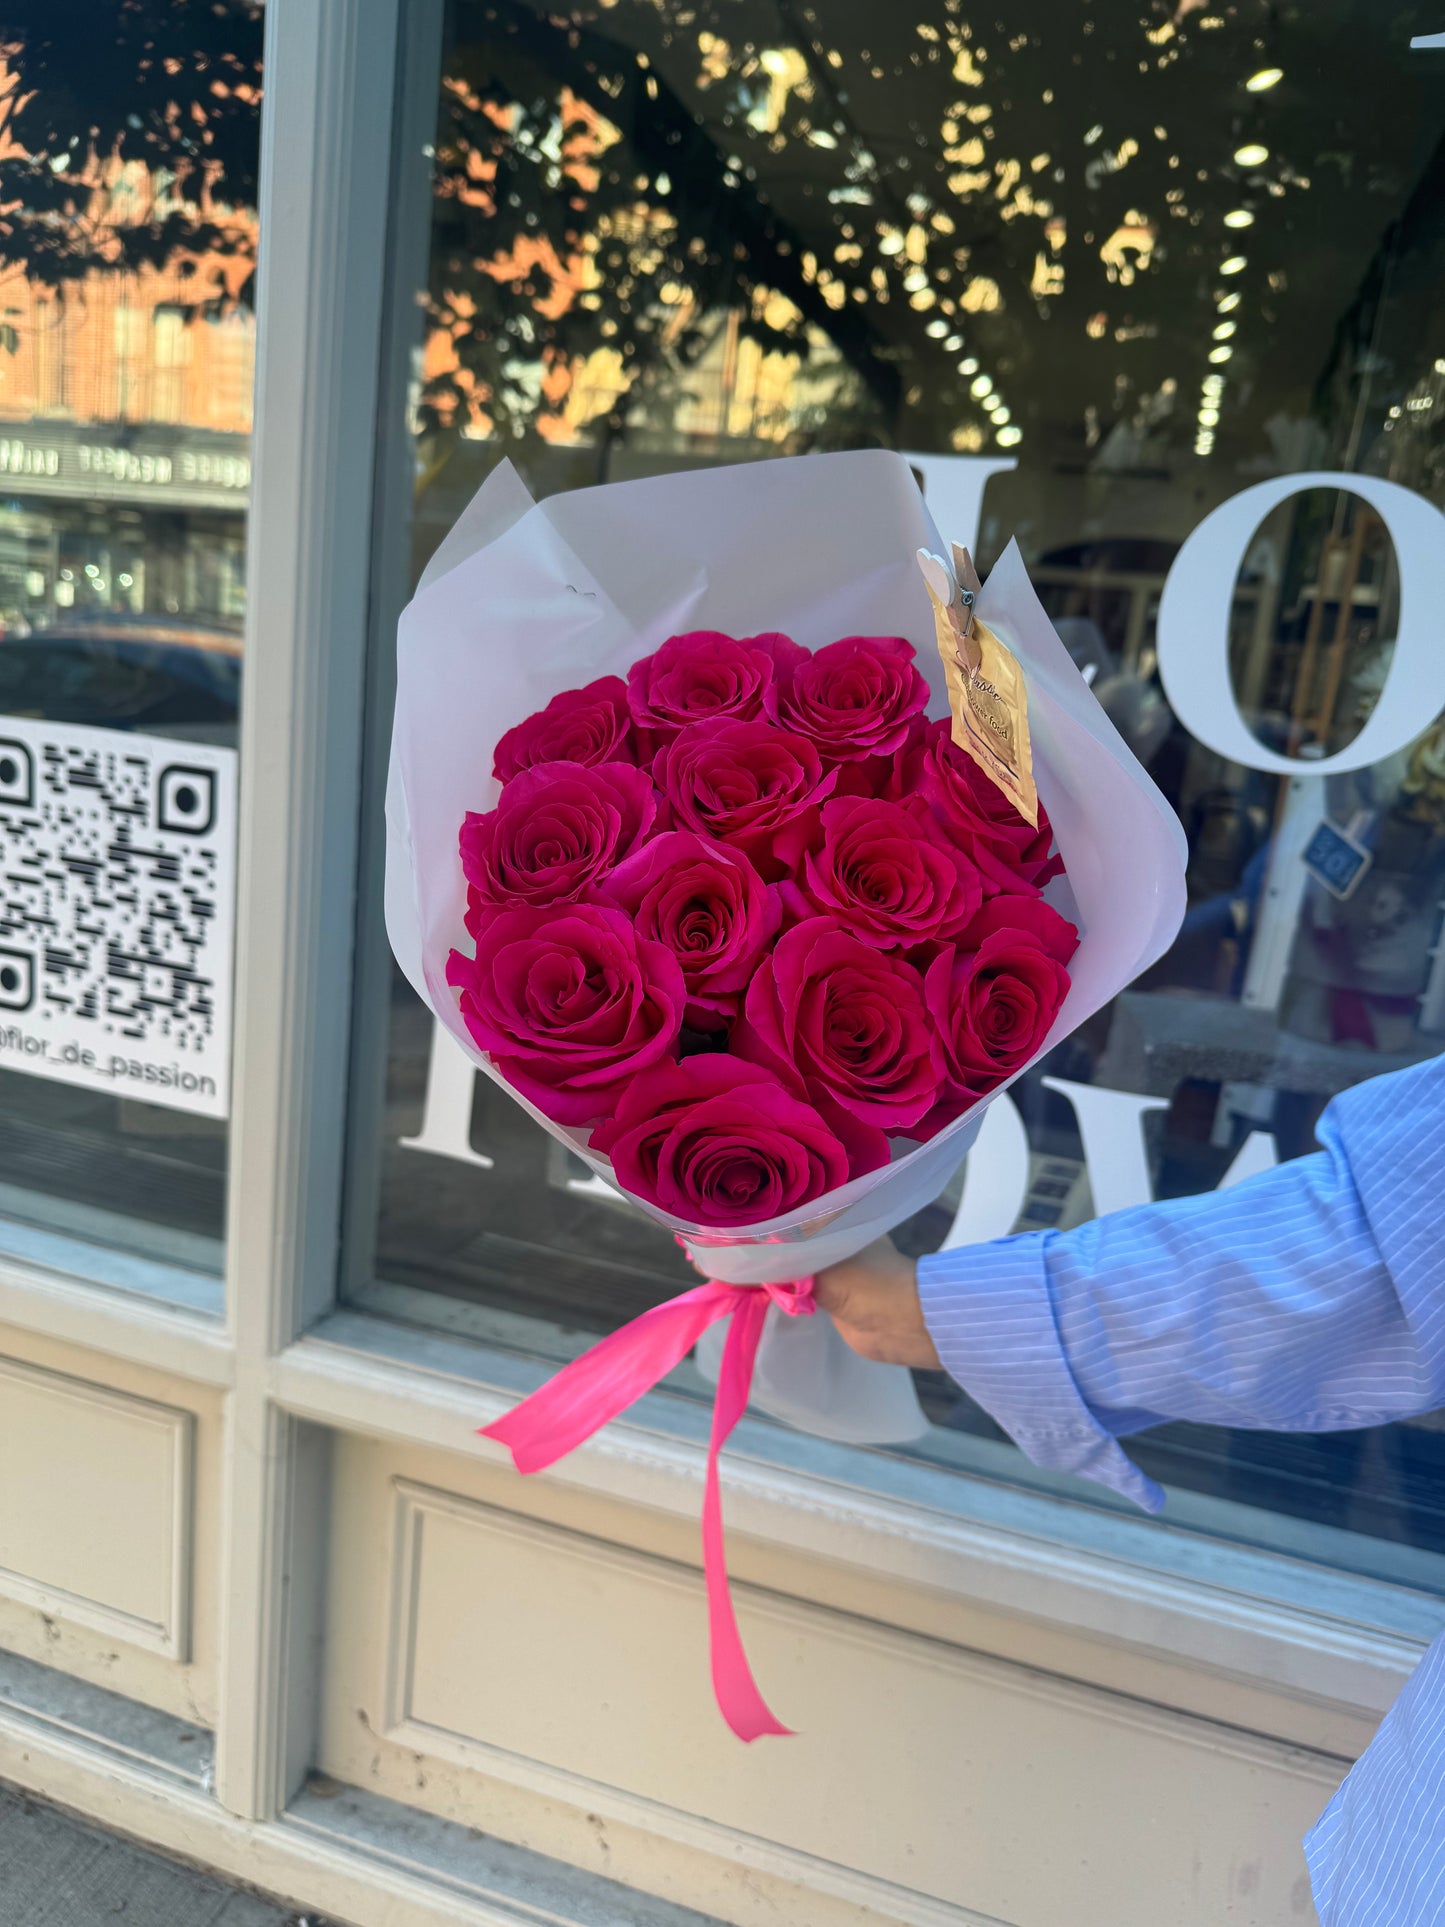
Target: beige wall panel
[[107, 1482], [553, 1687]]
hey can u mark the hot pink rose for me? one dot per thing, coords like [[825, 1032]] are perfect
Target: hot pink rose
[[852, 700], [740, 783], [975, 813], [876, 775], [884, 871], [569, 1004], [704, 677], [709, 907], [558, 830], [994, 995], [590, 725], [722, 1143], [846, 1023]]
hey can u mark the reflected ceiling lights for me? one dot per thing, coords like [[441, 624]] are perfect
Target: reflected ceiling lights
[[1252, 154], [1266, 78], [1239, 217]]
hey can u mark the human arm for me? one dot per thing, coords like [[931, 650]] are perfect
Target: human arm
[[1310, 1298]]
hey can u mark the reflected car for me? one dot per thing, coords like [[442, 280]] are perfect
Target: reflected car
[[162, 675]]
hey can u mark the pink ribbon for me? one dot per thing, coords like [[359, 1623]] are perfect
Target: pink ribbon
[[604, 1381]]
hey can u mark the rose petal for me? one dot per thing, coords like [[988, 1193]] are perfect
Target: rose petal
[[703, 676], [974, 812], [855, 699], [720, 1143], [883, 871], [849, 1021], [740, 783], [706, 903], [590, 725], [558, 830], [571, 1004]]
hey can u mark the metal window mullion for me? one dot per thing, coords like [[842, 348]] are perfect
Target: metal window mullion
[[325, 152], [418, 83]]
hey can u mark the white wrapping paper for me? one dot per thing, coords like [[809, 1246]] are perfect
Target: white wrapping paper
[[523, 600]]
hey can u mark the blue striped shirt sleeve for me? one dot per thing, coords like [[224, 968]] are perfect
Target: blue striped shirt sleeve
[[1306, 1299], [1376, 1855], [1310, 1298]]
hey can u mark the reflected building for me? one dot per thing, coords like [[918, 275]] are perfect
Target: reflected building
[[125, 425]]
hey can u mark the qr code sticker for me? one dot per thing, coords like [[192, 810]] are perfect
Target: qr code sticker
[[117, 912]]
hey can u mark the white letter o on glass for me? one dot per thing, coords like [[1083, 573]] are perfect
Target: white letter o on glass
[[1194, 615]]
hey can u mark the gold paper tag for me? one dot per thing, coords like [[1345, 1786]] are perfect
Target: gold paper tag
[[987, 696]]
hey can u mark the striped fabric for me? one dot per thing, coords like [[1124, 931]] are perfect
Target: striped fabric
[[1308, 1299]]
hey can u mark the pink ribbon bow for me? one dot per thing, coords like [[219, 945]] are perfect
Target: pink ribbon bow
[[604, 1381]]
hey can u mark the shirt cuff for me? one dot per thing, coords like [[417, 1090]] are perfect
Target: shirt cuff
[[988, 1310]]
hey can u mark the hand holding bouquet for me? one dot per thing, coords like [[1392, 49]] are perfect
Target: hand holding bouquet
[[739, 920]]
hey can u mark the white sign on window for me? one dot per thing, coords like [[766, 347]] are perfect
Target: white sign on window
[[1199, 593], [117, 904]]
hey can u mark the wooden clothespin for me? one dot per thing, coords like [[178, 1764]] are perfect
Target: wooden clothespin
[[965, 577]]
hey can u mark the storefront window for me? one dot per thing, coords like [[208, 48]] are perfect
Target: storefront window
[[126, 353], [1137, 266]]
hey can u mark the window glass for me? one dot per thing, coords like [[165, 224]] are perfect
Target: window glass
[[1135, 266], [126, 352]]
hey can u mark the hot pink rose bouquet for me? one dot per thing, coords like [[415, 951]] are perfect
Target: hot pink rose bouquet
[[702, 894], [683, 853]]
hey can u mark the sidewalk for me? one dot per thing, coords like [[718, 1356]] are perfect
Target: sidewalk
[[59, 1872]]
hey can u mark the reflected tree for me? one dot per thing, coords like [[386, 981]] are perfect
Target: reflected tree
[[129, 139], [913, 225]]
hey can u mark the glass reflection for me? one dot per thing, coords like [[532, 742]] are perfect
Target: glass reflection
[[127, 255], [1136, 265]]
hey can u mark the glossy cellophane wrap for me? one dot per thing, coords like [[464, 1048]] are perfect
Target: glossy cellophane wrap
[[523, 600]]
